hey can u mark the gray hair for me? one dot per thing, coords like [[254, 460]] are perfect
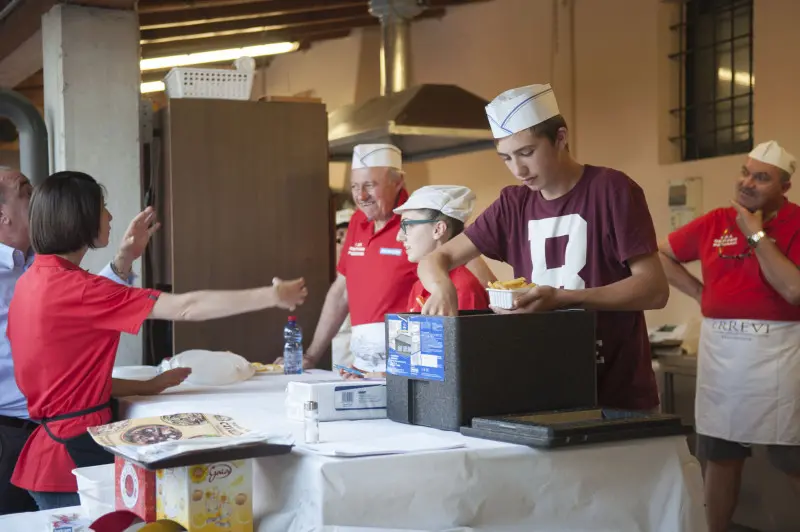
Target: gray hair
[[5, 172], [395, 174]]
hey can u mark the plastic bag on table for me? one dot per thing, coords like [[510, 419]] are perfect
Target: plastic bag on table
[[211, 368]]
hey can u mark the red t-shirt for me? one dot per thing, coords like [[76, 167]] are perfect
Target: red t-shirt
[[583, 239], [733, 285], [376, 267], [471, 295], [64, 326]]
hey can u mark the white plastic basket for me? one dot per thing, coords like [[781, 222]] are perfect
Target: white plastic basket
[[209, 83], [504, 298]]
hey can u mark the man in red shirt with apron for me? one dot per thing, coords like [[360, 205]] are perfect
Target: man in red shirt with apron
[[582, 233], [748, 375], [374, 275]]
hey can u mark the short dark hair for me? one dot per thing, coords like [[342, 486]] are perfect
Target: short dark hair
[[454, 227], [65, 213], [549, 128]]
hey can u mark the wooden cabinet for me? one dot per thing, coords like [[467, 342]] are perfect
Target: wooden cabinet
[[242, 188]]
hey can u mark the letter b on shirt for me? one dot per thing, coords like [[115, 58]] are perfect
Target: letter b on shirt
[[574, 227]]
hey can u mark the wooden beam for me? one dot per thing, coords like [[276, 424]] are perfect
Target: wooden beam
[[207, 15], [164, 6], [21, 24], [22, 62], [305, 40], [258, 25], [247, 39], [126, 5], [160, 6], [264, 37], [26, 19]]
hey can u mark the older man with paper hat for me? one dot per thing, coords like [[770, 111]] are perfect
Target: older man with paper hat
[[748, 380], [374, 277], [583, 234]]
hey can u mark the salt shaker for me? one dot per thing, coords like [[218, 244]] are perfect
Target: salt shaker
[[311, 421]]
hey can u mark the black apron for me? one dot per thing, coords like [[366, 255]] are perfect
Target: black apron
[[83, 450]]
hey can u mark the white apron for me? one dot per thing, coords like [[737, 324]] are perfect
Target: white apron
[[368, 346], [340, 345], [748, 381]]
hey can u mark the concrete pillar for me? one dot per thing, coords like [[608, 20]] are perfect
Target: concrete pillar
[[91, 98]]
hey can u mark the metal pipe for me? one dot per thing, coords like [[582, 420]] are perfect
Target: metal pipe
[[9, 8], [33, 153], [394, 54], [395, 17]]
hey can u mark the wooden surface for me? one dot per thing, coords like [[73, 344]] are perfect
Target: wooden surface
[[249, 200]]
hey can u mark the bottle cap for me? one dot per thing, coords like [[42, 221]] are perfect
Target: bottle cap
[[292, 318], [311, 405]]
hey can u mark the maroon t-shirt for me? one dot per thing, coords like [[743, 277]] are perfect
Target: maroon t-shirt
[[583, 240]]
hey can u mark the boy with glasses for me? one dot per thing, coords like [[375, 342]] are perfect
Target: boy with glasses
[[431, 217]]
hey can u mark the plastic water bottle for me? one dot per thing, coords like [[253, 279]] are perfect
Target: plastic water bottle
[[292, 348]]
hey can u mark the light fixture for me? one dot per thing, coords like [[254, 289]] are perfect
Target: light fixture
[[152, 86], [739, 78], [215, 56]]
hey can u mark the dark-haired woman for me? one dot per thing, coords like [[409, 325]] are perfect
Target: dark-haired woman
[[64, 327]]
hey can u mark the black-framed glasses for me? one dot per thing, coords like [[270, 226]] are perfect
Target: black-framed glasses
[[405, 223]]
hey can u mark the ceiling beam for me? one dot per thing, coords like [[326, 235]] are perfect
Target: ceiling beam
[[207, 15], [160, 6], [305, 40], [268, 22], [26, 19], [22, 62], [21, 24], [247, 39], [264, 37]]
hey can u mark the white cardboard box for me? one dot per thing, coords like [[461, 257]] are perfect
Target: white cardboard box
[[338, 399]]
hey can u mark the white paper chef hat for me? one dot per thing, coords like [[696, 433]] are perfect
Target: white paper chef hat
[[377, 155], [454, 201], [521, 108], [343, 216], [771, 152]]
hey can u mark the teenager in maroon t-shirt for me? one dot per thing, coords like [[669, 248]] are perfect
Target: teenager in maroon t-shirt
[[582, 233]]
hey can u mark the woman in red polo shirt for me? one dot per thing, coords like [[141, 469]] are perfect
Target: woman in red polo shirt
[[431, 216], [64, 327]]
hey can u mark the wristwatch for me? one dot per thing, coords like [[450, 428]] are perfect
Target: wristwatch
[[755, 238]]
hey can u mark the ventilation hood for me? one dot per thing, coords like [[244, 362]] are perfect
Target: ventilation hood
[[425, 121]]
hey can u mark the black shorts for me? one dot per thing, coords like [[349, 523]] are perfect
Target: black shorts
[[785, 458]]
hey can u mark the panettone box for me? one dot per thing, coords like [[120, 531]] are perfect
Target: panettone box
[[208, 488], [443, 371], [209, 497]]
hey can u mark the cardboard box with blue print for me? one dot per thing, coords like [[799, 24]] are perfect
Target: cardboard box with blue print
[[337, 399], [442, 371]]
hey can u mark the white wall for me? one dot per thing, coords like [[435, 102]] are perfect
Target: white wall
[[622, 88], [90, 84]]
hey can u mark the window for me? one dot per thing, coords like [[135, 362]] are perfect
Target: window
[[715, 78]]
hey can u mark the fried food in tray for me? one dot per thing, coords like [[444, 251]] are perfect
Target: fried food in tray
[[515, 284]]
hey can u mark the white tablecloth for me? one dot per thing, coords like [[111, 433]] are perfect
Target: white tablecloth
[[649, 485]]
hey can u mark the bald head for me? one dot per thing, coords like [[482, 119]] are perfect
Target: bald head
[[10, 179], [15, 195]]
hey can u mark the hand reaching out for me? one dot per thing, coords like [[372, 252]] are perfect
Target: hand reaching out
[[290, 294]]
